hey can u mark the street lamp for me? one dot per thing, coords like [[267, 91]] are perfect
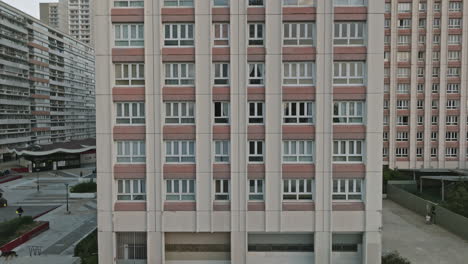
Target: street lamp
[[37, 181], [66, 187]]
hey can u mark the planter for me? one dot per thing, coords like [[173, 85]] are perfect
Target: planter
[[25, 237], [82, 195], [9, 178]]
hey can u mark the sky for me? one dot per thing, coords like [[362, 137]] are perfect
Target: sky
[[28, 6]]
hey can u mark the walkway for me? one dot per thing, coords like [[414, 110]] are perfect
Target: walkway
[[407, 233]]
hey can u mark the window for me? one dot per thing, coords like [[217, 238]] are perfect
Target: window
[[178, 2], [180, 190], [421, 72], [130, 113], [435, 88], [455, 6], [131, 190], [436, 39], [348, 112], [298, 112], [451, 120], [420, 120], [420, 87], [180, 113], [402, 120], [403, 40], [386, 104], [221, 115], [403, 88], [437, 6], [298, 2], [178, 35], [451, 152], [454, 39], [256, 150], [221, 34], [295, 34], [434, 135], [129, 3], [403, 56], [221, 72], [347, 190], [419, 152], [256, 34], [451, 136], [453, 88], [348, 151], [422, 23], [385, 136], [222, 151], [131, 246], [348, 73], [454, 23], [385, 152], [434, 152], [179, 74], [452, 104], [402, 136], [256, 73], [453, 72], [435, 56], [419, 136], [402, 104], [298, 73], [129, 74], [349, 33], [436, 23], [454, 55], [298, 151], [434, 120], [420, 104], [255, 2], [401, 152], [256, 110], [403, 72], [404, 23], [131, 152], [404, 7], [217, 3], [180, 151], [256, 190], [222, 190], [349, 2], [129, 35], [388, 7], [387, 23], [297, 189]]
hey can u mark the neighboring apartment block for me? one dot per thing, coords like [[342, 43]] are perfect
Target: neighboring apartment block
[[425, 101], [46, 83], [74, 17], [241, 131]]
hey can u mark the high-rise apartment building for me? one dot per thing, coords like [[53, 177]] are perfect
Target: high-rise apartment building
[[241, 131], [46, 83], [73, 17], [425, 101]]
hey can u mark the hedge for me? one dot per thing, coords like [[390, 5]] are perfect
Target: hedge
[[87, 249], [9, 229], [85, 187]]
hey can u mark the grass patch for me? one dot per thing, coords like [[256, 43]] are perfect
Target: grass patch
[[87, 249], [84, 187], [9, 230]]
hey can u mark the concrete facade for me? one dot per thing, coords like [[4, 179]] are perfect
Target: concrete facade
[[147, 225], [46, 83], [75, 17], [425, 78]]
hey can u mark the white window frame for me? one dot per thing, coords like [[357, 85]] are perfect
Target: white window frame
[[401, 152], [349, 2], [173, 36], [179, 113], [180, 190], [222, 151], [221, 34], [223, 115], [256, 34], [256, 189], [348, 151], [298, 73], [221, 74], [304, 112], [292, 191], [131, 190], [298, 34], [130, 113], [178, 3], [348, 112], [298, 2], [256, 150], [129, 74], [130, 35], [180, 151], [222, 189], [179, 74], [128, 3], [350, 190], [298, 151], [256, 74], [451, 152], [256, 112], [349, 33], [349, 73], [130, 152]]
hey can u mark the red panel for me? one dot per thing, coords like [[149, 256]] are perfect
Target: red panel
[[129, 171], [130, 206], [298, 171]]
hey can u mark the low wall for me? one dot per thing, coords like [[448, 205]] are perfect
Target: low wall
[[445, 218], [82, 195], [25, 237]]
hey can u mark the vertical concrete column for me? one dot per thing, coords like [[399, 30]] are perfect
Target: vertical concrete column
[[104, 142], [414, 85], [273, 110], [428, 85], [204, 115], [375, 91], [238, 86], [462, 164], [154, 122], [324, 131], [393, 84], [443, 81]]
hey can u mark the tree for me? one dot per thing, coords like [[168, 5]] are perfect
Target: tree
[[394, 258], [457, 199]]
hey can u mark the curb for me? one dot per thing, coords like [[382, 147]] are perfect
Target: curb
[[25, 237], [45, 212], [11, 179]]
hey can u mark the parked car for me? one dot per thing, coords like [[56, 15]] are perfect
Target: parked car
[[3, 201]]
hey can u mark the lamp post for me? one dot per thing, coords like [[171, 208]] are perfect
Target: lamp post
[[37, 182], [66, 187]]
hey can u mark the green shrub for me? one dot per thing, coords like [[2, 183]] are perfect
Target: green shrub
[[87, 249], [8, 229], [394, 258], [456, 200], [85, 187]]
